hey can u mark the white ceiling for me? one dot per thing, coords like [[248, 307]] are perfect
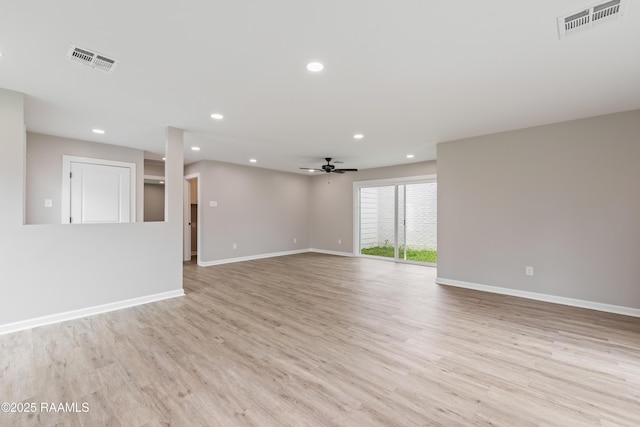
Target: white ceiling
[[406, 73]]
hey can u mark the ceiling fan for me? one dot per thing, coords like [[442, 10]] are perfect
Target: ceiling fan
[[329, 168]]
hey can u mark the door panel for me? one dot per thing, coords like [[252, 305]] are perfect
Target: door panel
[[377, 221], [417, 224], [100, 193], [194, 228]]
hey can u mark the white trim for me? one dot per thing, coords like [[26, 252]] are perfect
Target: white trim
[[396, 229], [198, 213], [271, 255], [250, 257], [65, 200], [153, 178], [396, 181], [322, 251], [356, 220], [86, 312], [186, 220], [24, 173], [399, 261], [609, 308]]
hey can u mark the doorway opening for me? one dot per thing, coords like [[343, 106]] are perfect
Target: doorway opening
[[191, 234], [397, 219]]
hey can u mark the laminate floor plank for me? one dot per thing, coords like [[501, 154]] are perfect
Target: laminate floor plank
[[319, 340]]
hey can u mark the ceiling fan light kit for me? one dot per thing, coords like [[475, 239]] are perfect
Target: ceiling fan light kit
[[329, 168]]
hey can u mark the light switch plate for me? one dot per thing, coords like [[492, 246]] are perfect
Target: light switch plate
[[48, 203], [213, 204]]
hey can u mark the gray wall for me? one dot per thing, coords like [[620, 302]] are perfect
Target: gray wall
[[44, 172], [260, 210], [51, 269], [154, 202], [563, 198], [332, 203]]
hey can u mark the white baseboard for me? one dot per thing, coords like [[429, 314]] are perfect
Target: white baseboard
[[609, 308], [85, 312], [271, 255], [322, 251], [250, 257]]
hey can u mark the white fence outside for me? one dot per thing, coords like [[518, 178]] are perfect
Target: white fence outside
[[377, 216]]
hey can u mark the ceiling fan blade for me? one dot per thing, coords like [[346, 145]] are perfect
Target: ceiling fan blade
[[329, 168]]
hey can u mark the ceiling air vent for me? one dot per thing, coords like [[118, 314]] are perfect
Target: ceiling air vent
[[590, 16], [92, 59]]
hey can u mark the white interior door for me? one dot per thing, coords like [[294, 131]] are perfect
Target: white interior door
[[97, 191], [100, 194]]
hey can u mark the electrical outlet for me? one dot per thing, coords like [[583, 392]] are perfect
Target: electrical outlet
[[235, 246], [295, 240], [339, 241], [528, 270]]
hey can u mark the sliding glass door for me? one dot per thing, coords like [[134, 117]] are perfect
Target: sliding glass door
[[377, 221], [417, 221], [398, 221]]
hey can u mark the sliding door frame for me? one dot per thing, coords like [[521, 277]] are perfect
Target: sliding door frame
[[358, 185]]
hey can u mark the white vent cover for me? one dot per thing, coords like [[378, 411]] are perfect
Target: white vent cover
[[590, 16], [92, 59]]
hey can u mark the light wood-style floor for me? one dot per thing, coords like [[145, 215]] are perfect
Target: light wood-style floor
[[315, 340]]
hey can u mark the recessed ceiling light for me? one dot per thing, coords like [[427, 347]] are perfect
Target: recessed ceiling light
[[252, 160], [217, 116], [311, 170], [315, 67], [164, 158], [195, 148], [410, 156], [161, 182], [358, 136], [98, 131]]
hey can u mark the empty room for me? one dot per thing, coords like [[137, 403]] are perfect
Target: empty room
[[295, 213]]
